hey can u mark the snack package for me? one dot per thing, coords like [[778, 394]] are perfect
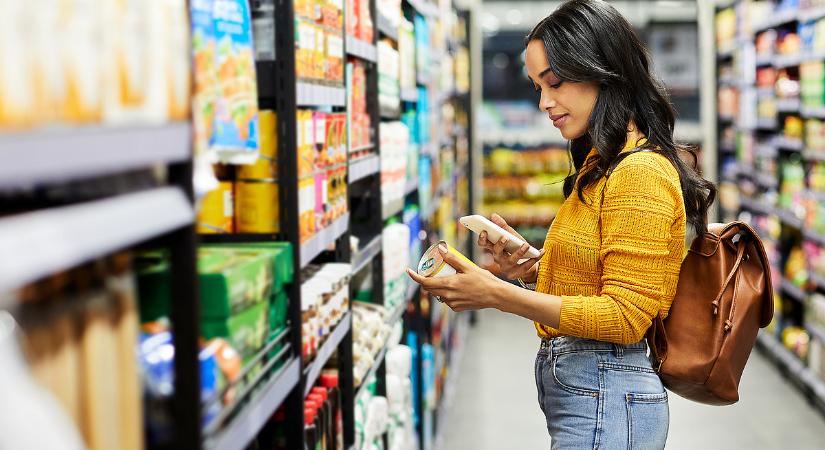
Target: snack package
[[178, 69], [235, 136], [49, 79], [81, 33]]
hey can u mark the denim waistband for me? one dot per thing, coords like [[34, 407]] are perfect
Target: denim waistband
[[564, 344]]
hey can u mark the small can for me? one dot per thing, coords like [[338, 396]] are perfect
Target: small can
[[432, 264], [216, 213], [256, 206]]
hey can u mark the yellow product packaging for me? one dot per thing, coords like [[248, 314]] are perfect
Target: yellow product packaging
[[80, 45], [48, 79], [17, 64], [319, 123], [432, 264], [306, 208], [266, 166], [320, 54], [305, 49], [335, 58], [135, 38], [306, 144], [256, 206], [217, 211], [178, 68]]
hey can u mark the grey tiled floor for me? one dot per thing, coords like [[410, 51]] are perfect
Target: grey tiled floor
[[494, 406]]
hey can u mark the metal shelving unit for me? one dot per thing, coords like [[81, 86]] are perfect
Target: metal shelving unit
[[323, 239], [313, 371]]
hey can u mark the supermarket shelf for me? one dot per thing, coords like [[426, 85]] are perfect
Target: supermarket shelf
[[788, 218], [409, 94], [816, 112], [787, 105], [386, 27], [815, 331], [755, 206], [318, 243], [392, 208], [776, 19], [725, 52], [793, 291], [800, 374], [766, 124], [423, 7], [379, 359], [726, 118], [364, 167], [361, 49], [363, 257], [422, 79], [252, 418], [40, 243], [811, 14], [362, 148], [523, 136], [814, 155], [813, 236], [452, 381], [309, 94], [325, 352], [792, 60], [39, 157], [788, 143], [389, 113], [764, 60], [398, 312], [412, 186]]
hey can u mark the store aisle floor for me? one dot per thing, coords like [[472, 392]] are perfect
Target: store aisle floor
[[495, 408]]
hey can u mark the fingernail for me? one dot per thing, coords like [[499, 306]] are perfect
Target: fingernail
[[442, 248]]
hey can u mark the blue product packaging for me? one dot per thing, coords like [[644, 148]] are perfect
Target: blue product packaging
[[235, 134]]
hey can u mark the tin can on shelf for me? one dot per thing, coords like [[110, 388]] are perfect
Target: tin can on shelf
[[432, 264], [266, 167], [256, 206], [217, 211]]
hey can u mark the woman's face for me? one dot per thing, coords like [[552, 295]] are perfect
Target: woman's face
[[567, 103]]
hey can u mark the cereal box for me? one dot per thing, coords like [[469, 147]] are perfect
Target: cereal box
[[235, 135]]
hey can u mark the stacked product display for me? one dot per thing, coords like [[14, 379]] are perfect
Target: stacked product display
[[524, 186], [192, 289], [771, 105]]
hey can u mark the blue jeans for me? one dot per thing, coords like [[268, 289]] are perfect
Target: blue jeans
[[597, 395]]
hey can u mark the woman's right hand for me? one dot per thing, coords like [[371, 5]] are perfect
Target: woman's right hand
[[508, 264]]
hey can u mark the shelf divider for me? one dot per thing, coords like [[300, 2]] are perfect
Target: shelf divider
[[40, 243]]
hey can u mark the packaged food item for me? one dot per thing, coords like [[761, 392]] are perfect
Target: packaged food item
[[257, 206], [266, 167], [432, 264], [235, 136], [306, 143], [178, 67], [217, 210], [246, 331], [306, 207], [48, 79], [204, 56], [321, 200], [335, 58]]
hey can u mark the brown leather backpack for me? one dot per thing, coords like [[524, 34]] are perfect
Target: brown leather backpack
[[723, 297]]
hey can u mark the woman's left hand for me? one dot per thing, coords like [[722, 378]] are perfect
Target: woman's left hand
[[469, 289]]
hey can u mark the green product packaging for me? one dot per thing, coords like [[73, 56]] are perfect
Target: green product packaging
[[281, 254], [246, 331], [278, 311], [229, 280]]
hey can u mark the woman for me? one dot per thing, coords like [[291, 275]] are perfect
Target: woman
[[611, 260]]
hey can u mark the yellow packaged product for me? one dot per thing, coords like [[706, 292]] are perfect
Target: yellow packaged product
[[320, 53], [304, 49], [256, 206], [48, 79], [217, 211], [266, 166], [306, 208], [306, 144], [80, 45], [18, 101], [178, 68]]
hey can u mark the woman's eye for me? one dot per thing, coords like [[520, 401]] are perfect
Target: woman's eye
[[557, 85]]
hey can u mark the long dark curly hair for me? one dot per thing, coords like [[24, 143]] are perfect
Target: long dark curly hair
[[589, 41]]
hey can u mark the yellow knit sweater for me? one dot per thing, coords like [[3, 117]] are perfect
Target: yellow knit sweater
[[614, 277]]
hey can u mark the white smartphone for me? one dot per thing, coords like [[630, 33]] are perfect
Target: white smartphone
[[477, 223]]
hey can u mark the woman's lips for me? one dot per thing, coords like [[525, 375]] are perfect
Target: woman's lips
[[558, 119]]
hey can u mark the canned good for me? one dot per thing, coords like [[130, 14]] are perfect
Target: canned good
[[217, 212], [432, 264], [256, 203], [266, 166]]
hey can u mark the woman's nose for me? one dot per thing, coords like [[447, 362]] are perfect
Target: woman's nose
[[546, 102]]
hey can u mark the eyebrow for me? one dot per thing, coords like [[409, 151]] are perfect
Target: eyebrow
[[541, 74]]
